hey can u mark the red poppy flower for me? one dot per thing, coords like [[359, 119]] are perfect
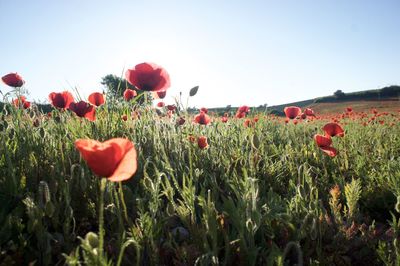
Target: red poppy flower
[[129, 94], [224, 119], [171, 107], [322, 141], [309, 112], [21, 101], [331, 151], [292, 112], [240, 114], [202, 142], [159, 94], [202, 119], [124, 117], [349, 109], [115, 159], [181, 121], [203, 109], [255, 119], [13, 80], [148, 77], [83, 109], [248, 123], [333, 129], [61, 100], [243, 109], [303, 116], [96, 98], [160, 104]]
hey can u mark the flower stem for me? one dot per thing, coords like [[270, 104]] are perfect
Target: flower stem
[[103, 183], [121, 195]]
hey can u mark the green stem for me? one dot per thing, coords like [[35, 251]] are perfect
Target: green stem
[[103, 183], [121, 195]]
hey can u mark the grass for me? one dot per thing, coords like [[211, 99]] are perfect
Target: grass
[[262, 195]]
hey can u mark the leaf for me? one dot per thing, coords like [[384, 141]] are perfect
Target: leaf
[[193, 91]]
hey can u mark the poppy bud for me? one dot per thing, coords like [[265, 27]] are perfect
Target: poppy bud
[[202, 142]]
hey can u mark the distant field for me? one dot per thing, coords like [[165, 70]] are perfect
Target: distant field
[[358, 106]]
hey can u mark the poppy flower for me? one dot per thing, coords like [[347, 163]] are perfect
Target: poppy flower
[[129, 94], [303, 116], [115, 159], [202, 119], [13, 80], [124, 117], [202, 142], [181, 121], [97, 99], [171, 107], [83, 109], [224, 119], [159, 94], [21, 101], [248, 123], [292, 112], [309, 112], [333, 129], [349, 109], [61, 100], [243, 109], [160, 104], [240, 114], [203, 109], [322, 141], [148, 77], [331, 151]]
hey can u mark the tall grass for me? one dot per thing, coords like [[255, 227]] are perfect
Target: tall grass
[[262, 195]]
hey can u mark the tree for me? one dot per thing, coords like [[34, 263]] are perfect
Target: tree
[[339, 94], [116, 86]]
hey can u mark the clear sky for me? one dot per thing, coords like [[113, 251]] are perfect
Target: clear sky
[[238, 52]]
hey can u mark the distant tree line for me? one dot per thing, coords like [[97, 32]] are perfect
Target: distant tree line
[[390, 92]]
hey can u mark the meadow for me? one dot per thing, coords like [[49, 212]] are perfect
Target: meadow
[[259, 191]]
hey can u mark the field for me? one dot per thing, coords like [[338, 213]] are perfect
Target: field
[[387, 105], [260, 193]]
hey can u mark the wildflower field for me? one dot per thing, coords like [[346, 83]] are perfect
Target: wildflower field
[[112, 182]]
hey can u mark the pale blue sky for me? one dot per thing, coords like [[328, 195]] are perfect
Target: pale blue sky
[[238, 52]]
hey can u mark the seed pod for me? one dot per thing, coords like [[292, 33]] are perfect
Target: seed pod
[[44, 193], [41, 132], [49, 209], [92, 239], [314, 232]]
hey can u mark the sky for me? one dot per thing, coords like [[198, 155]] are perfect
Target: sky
[[237, 52]]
